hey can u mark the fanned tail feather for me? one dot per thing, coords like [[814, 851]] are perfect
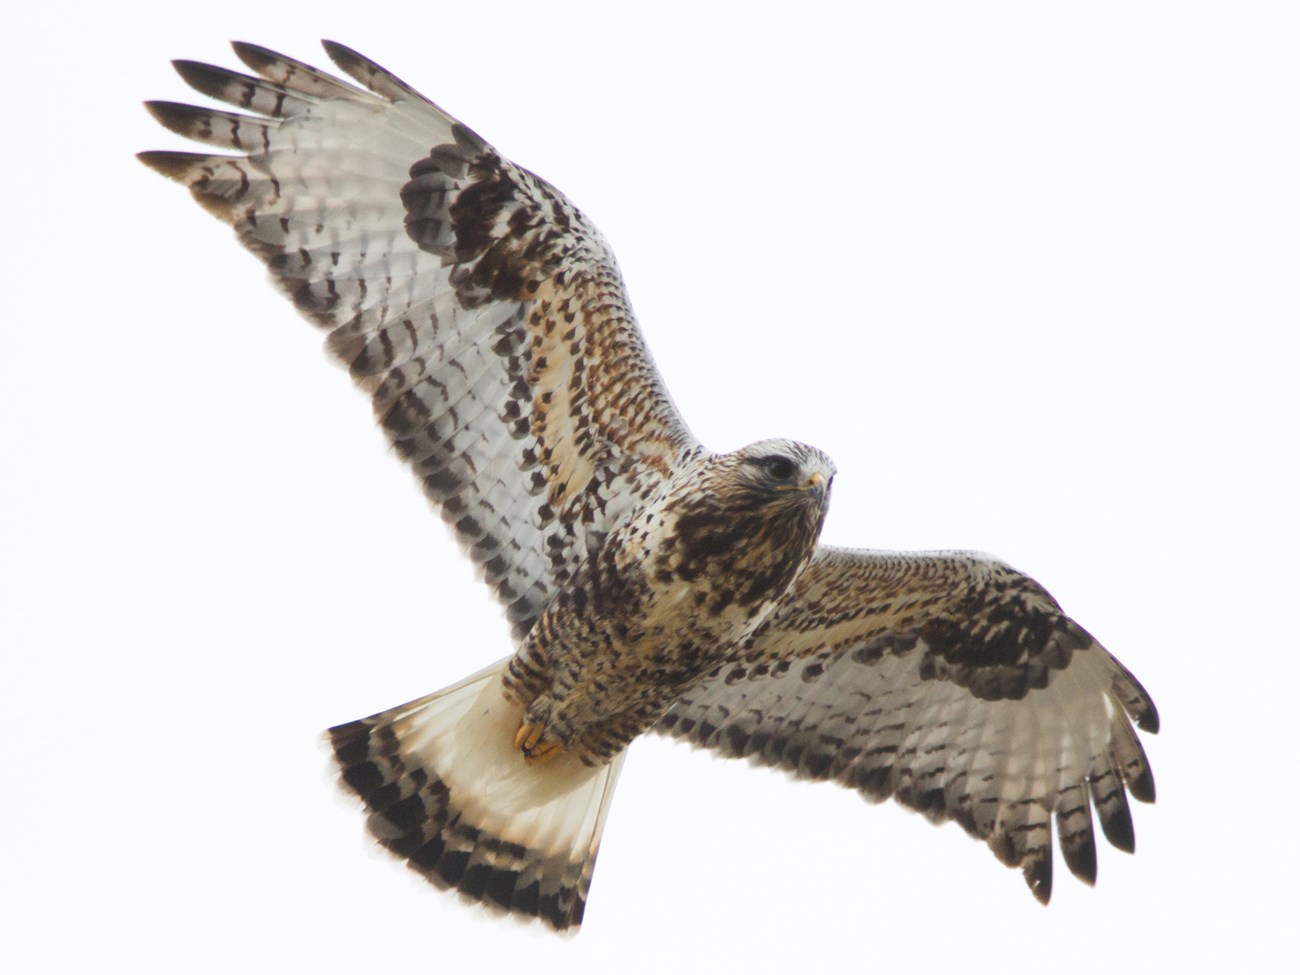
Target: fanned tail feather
[[449, 794]]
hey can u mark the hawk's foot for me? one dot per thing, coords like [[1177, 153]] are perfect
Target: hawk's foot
[[530, 739]]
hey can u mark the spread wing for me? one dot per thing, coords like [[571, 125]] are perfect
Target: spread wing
[[480, 309], [952, 683]]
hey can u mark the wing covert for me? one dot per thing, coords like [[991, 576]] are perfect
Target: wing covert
[[479, 308], [950, 682]]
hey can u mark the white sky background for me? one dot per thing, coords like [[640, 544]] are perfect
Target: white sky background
[[1028, 275]]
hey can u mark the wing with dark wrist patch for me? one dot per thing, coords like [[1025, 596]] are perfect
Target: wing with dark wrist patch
[[477, 306], [950, 682]]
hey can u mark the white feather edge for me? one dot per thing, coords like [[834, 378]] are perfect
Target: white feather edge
[[465, 735]]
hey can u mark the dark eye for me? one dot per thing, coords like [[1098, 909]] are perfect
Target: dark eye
[[778, 468]]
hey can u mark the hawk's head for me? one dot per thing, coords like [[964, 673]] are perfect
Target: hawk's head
[[751, 518], [782, 474]]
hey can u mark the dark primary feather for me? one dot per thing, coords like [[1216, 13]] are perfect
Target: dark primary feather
[[486, 318], [480, 309], [950, 682]]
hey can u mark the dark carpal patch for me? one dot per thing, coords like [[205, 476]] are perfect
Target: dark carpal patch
[[999, 644], [646, 579], [457, 200], [897, 630]]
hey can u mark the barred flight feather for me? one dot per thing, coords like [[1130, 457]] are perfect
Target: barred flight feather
[[651, 584], [389, 224], [886, 672]]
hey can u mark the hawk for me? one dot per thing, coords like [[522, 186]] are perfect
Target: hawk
[[652, 584]]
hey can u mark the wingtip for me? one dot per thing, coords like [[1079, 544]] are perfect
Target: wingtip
[[1142, 786], [173, 165], [254, 56], [1150, 719], [173, 116], [193, 170], [1083, 863], [189, 69], [1038, 875], [1136, 700], [341, 53], [374, 77], [353, 63], [1119, 832], [205, 78]]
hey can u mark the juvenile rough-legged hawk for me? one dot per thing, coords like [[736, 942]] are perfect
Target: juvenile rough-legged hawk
[[652, 584]]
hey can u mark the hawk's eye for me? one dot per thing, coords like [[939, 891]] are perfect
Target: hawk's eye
[[778, 468]]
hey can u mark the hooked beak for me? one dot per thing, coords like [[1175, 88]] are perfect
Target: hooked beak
[[817, 483]]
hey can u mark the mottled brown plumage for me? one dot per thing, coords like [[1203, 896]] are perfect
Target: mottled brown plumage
[[669, 596], [651, 583], [974, 698]]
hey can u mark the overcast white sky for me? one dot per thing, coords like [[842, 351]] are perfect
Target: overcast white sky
[[1028, 275]]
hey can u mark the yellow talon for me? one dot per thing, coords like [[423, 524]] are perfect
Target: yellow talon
[[527, 736], [542, 753], [528, 739]]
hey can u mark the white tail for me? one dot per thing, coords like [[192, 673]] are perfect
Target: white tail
[[448, 792]]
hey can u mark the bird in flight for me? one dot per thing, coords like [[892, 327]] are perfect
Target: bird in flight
[[652, 584]]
